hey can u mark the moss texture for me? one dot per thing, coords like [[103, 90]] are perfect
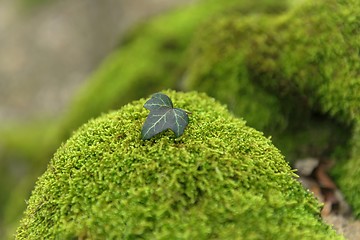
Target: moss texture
[[220, 180], [290, 75], [151, 58]]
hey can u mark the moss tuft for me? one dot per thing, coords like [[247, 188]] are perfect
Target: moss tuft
[[284, 73], [220, 180]]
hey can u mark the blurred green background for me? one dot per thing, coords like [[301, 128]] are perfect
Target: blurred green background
[[290, 68]]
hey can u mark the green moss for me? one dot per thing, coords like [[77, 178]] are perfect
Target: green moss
[[220, 180], [20, 165], [286, 57], [294, 68], [151, 58], [277, 70]]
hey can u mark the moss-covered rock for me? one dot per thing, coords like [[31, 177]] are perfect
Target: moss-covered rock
[[290, 75], [151, 58], [220, 180], [285, 73]]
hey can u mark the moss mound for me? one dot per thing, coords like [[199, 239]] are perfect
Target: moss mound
[[151, 58], [220, 180], [290, 76]]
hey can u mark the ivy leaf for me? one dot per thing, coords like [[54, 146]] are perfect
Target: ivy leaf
[[163, 116]]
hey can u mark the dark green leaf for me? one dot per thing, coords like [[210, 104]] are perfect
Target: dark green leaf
[[163, 116]]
